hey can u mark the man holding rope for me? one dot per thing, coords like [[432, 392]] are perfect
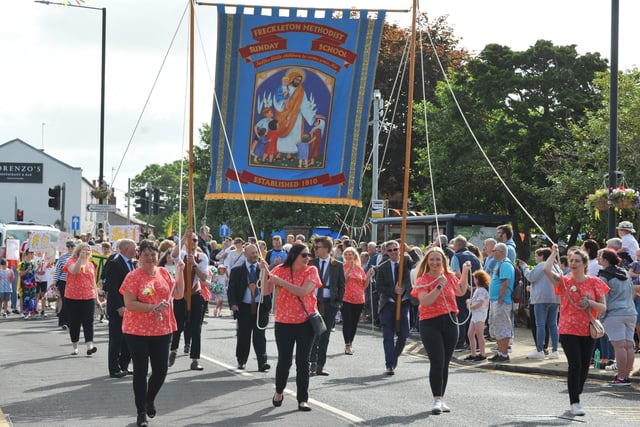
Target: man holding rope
[[252, 313]]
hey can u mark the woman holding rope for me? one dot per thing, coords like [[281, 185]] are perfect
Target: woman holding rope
[[578, 293], [148, 324], [437, 288], [295, 299]]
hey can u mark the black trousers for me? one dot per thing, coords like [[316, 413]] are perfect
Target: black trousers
[[63, 317], [350, 318], [318, 355], [287, 336], [145, 350], [180, 312], [248, 332], [439, 336], [578, 350], [119, 356], [80, 314], [192, 328]]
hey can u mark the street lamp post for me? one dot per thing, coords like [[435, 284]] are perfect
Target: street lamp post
[[104, 38]]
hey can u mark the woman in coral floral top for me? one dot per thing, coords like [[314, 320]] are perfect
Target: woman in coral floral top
[[296, 283], [80, 294], [148, 324], [578, 292], [356, 281]]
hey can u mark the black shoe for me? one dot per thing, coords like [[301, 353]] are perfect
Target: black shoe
[[128, 372], [302, 406], [195, 366], [312, 369], [172, 357], [119, 374], [322, 372], [389, 371], [264, 368], [277, 403], [92, 350], [151, 410], [142, 421], [469, 358]]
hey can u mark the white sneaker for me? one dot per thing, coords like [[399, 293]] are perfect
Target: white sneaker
[[576, 409], [536, 355], [554, 355], [437, 407], [613, 367], [445, 408]]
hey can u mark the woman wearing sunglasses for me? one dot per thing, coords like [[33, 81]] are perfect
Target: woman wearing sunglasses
[[296, 282]]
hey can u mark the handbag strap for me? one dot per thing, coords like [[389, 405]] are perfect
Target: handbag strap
[[300, 299], [564, 286], [303, 307]]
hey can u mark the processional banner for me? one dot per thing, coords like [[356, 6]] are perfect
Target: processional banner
[[293, 89]]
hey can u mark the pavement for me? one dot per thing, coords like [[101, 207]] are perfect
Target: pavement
[[75, 390]]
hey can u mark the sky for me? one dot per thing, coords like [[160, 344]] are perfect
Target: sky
[[51, 67]]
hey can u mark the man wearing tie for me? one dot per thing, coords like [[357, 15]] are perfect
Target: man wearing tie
[[115, 270], [244, 301], [329, 299], [389, 290]]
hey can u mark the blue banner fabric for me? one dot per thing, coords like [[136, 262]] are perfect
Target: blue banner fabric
[[292, 94]]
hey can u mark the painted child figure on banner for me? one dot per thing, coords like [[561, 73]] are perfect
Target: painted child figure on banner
[[303, 151], [315, 143], [258, 145], [282, 94]]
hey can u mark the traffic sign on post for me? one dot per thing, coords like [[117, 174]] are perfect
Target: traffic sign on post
[[225, 231], [75, 223], [101, 208], [377, 208]]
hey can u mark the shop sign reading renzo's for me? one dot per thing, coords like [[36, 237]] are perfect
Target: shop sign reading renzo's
[[21, 172]]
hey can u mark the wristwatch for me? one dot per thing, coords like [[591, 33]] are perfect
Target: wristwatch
[[439, 286]]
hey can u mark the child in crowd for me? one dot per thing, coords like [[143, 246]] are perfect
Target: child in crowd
[[479, 306], [6, 279], [28, 284], [634, 269], [219, 294]]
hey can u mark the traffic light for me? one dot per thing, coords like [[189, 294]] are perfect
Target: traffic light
[[54, 201], [20, 215], [142, 202], [158, 200]]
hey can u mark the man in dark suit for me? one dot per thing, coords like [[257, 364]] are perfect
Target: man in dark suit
[[329, 299], [115, 270], [387, 276], [244, 298]]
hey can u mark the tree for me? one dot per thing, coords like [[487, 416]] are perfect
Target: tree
[[578, 163], [516, 103], [391, 72]]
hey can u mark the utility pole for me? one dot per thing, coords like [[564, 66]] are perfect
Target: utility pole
[[377, 113]]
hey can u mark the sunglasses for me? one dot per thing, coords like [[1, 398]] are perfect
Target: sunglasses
[[392, 250], [305, 255]]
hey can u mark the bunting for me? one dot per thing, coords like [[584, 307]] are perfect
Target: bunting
[[293, 90]]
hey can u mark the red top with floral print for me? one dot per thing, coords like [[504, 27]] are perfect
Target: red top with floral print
[[355, 284], [574, 320], [81, 286], [288, 307], [444, 303], [149, 290]]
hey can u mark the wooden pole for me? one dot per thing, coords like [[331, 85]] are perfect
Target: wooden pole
[[190, 192], [407, 159]]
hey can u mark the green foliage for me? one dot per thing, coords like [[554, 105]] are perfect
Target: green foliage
[[516, 103]]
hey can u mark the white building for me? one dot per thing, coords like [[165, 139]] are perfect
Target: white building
[[27, 173]]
